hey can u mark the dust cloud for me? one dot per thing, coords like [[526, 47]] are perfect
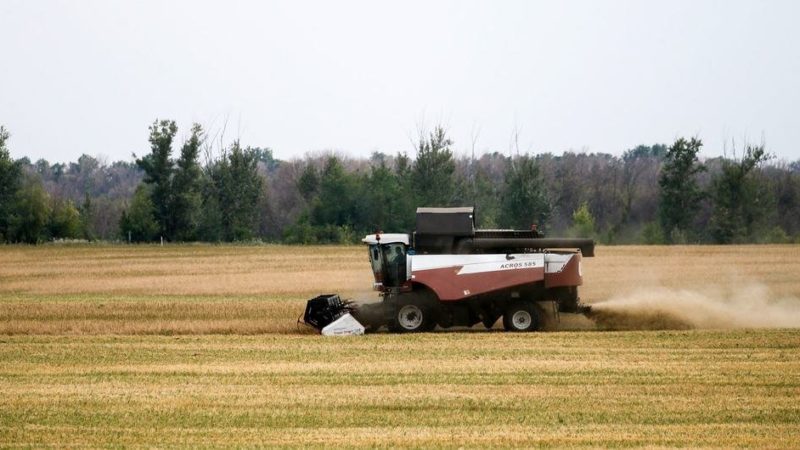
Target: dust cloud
[[368, 309], [660, 308]]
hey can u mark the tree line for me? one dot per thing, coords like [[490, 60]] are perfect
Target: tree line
[[196, 191]]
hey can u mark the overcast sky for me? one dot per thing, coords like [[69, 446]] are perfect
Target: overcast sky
[[90, 76]]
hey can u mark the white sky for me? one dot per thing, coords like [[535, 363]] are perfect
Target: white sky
[[90, 76]]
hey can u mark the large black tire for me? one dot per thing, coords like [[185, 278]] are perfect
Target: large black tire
[[413, 314], [521, 316]]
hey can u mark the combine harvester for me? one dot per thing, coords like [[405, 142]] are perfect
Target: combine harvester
[[448, 273]]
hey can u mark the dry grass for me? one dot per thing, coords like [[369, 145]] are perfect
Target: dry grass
[[195, 289], [622, 269], [137, 315], [200, 289], [182, 270], [570, 389], [73, 375]]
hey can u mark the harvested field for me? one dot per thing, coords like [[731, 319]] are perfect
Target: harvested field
[[569, 389], [198, 289], [197, 346], [169, 290]]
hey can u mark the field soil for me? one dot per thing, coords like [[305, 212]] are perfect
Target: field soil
[[201, 289], [198, 345]]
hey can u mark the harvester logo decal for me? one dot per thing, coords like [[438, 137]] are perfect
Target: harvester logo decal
[[518, 265], [496, 267]]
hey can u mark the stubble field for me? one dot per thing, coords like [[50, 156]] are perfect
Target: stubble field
[[197, 345]]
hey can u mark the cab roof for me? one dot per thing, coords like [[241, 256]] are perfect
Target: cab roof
[[386, 238]]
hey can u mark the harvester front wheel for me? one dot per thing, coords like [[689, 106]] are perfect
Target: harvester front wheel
[[521, 316], [413, 315]]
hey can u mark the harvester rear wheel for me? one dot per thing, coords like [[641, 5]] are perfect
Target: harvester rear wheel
[[521, 316]]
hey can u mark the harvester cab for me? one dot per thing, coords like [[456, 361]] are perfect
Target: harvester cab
[[388, 256], [448, 273]]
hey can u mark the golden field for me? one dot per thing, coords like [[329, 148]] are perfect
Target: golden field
[[197, 289], [198, 346]]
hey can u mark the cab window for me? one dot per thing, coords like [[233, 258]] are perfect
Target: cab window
[[375, 258], [395, 266]]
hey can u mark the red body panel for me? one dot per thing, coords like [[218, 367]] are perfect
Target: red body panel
[[569, 275], [449, 285]]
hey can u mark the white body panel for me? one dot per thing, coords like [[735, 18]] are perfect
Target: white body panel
[[552, 262], [477, 263]]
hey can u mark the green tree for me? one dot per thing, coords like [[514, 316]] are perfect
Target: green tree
[[10, 180], [158, 169], [308, 183], [583, 224], [652, 234], [432, 175], [680, 194], [741, 203], [138, 221], [405, 202], [176, 184], [185, 189], [64, 221], [382, 191], [209, 227], [87, 214], [524, 200], [28, 222], [235, 190], [301, 232], [336, 203]]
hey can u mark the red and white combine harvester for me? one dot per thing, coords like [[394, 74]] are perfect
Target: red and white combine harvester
[[448, 273]]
